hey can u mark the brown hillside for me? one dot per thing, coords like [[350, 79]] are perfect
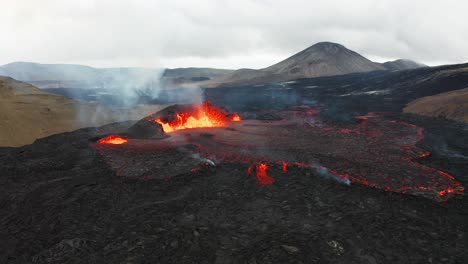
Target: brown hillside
[[450, 105], [27, 113]]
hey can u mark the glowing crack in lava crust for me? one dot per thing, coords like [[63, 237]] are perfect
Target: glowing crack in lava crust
[[205, 115], [375, 152], [113, 139]]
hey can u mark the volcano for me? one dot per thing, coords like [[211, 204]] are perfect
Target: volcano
[[323, 59], [320, 59]]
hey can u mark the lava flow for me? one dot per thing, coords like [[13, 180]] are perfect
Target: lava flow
[[284, 166], [262, 175], [376, 152], [113, 139], [205, 115]]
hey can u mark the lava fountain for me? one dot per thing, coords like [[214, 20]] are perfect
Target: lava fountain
[[236, 117], [205, 115]]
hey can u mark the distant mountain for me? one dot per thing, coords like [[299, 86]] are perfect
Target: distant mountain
[[195, 72], [321, 59], [73, 76], [184, 76], [402, 64], [450, 105], [79, 76], [28, 71]]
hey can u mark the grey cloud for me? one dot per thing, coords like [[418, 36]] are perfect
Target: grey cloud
[[227, 33]]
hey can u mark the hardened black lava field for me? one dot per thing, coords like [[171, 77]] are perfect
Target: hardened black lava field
[[67, 198]]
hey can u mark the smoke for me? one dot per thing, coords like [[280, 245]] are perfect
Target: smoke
[[324, 172], [189, 93], [106, 95], [206, 161], [447, 147], [121, 94], [129, 84]]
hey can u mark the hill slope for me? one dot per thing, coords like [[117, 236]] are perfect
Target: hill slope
[[27, 113], [402, 65], [450, 105]]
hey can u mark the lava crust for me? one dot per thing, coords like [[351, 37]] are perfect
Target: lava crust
[[376, 152]]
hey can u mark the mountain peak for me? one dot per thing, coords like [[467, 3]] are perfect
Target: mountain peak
[[326, 48], [327, 44], [402, 64], [323, 59]]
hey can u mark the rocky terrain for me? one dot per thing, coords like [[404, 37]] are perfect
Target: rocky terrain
[[355, 180], [346, 96], [63, 202], [451, 105]]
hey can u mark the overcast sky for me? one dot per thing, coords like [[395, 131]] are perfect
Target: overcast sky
[[227, 33]]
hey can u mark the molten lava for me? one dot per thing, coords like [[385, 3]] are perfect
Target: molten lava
[[113, 139], [236, 117], [284, 166], [262, 176], [205, 115], [377, 152]]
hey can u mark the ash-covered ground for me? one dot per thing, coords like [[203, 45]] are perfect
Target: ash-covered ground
[[63, 202]]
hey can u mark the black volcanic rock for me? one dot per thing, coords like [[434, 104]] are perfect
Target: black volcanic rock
[[61, 203], [146, 128]]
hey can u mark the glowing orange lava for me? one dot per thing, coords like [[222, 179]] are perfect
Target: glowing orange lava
[[236, 117], [113, 139], [285, 166], [206, 115], [262, 176]]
